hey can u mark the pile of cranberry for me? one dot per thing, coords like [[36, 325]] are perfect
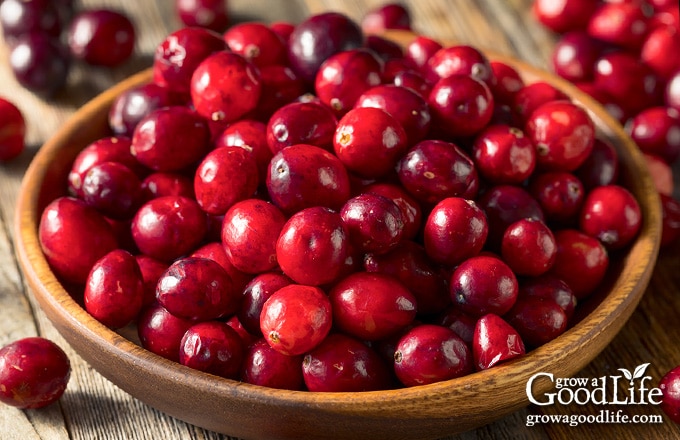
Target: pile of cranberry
[[624, 54]]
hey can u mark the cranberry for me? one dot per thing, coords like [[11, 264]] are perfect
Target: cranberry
[[574, 56], [456, 229], [168, 227], [213, 347], [611, 214], [282, 28], [656, 47], [622, 24], [73, 237], [369, 141], [560, 195], [529, 247], [611, 104], [411, 212], [134, 104], [459, 60], [341, 363], [257, 43], [564, 15], [601, 167], [264, 366], [433, 170], [537, 320], [161, 184], [256, 292], [371, 306], [387, 16], [161, 332], [461, 105], [151, 270], [384, 48], [40, 63], [34, 372], [170, 139], [495, 341], [209, 14], [672, 91], [250, 135], [178, 55], [22, 17], [313, 246], [420, 50], [13, 135], [296, 318], [302, 176], [458, 321], [502, 154], [549, 288], [113, 189], [508, 81], [249, 233], [374, 223], [563, 134], [670, 209], [317, 38], [431, 353], [280, 86], [670, 394], [581, 261], [531, 96], [484, 284], [92, 32], [310, 123], [656, 130]]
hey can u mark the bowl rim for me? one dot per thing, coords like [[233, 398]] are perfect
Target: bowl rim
[[610, 314]]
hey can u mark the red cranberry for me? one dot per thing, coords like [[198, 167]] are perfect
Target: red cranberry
[[317, 38], [549, 288], [458, 321], [611, 104], [661, 172], [369, 141], [374, 223], [672, 91], [560, 195], [113, 189], [250, 135], [459, 60], [282, 28], [34, 373], [670, 394], [170, 139], [574, 56], [531, 96], [256, 292], [601, 167], [611, 214], [623, 24], [387, 16], [101, 37], [431, 353], [461, 105], [168, 227], [40, 63], [313, 246], [257, 43], [161, 184], [280, 86], [670, 209], [564, 15], [343, 364], [12, 138], [296, 318], [134, 104], [420, 50], [73, 237], [508, 81], [249, 233], [528, 247], [384, 48], [495, 341], [656, 130], [19, 17], [213, 347], [537, 320], [114, 291], [161, 332], [302, 176], [502, 154], [209, 14], [411, 212], [656, 47], [151, 270], [264, 366], [581, 261], [310, 123], [215, 251]]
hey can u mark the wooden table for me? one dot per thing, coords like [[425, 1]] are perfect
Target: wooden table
[[93, 408]]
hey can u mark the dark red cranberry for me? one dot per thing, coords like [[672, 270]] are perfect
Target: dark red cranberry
[[656, 47], [213, 347], [317, 38], [250, 135], [151, 270], [101, 37], [369, 141], [574, 56], [420, 50], [565, 15], [550, 288], [387, 16], [113, 189], [374, 223], [161, 332], [40, 63], [672, 91], [34, 373], [313, 246], [508, 82], [458, 321], [257, 43], [209, 14], [495, 341], [611, 104], [611, 214], [13, 136], [384, 48], [19, 17], [134, 104], [537, 320], [656, 130], [624, 24], [529, 247], [560, 195], [601, 167], [531, 96], [459, 60], [264, 366], [670, 209], [503, 154], [215, 251], [256, 292], [431, 353], [310, 123], [670, 394], [296, 318], [280, 86], [411, 212], [165, 183]]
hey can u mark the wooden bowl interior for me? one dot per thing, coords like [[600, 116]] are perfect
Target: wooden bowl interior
[[250, 411]]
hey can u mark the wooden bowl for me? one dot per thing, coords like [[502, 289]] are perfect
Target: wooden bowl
[[254, 412]]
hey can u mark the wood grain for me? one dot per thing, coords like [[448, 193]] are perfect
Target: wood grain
[[95, 409]]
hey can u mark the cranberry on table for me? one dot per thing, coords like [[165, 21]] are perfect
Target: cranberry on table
[[101, 37], [612, 215], [311, 123], [387, 16], [374, 222], [296, 318], [113, 189], [34, 372], [581, 261], [503, 154], [40, 63], [495, 341], [161, 332], [134, 104], [670, 394], [13, 135], [431, 353], [213, 347], [264, 366], [256, 292], [209, 14]]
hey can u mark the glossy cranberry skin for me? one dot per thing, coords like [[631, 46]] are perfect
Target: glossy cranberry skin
[[387, 16], [433, 170], [161, 332], [40, 63], [280, 86], [531, 96], [374, 222], [344, 364], [574, 56], [302, 176], [256, 292], [563, 134], [73, 237], [19, 17], [198, 289], [113, 189], [656, 47], [34, 373], [257, 43], [178, 55], [311, 123], [455, 229], [581, 261], [537, 320], [503, 154], [672, 91], [166, 183], [623, 24], [431, 353], [264, 366], [560, 195], [12, 138], [529, 247], [371, 306], [563, 15], [670, 394], [495, 341], [508, 81], [296, 318], [168, 227], [411, 211], [549, 288], [170, 139], [656, 130], [313, 246], [611, 104], [344, 76], [91, 33], [461, 105], [317, 38], [213, 347], [252, 136], [209, 14], [369, 141], [249, 233], [459, 60], [134, 104], [483, 284], [612, 215], [670, 209], [151, 270], [458, 321], [601, 167], [420, 50]]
